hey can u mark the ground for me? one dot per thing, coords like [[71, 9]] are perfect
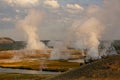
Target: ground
[[107, 68], [104, 69], [34, 61], [14, 76]]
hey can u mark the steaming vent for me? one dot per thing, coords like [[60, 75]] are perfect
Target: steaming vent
[[57, 53], [30, 25], [105, 48]]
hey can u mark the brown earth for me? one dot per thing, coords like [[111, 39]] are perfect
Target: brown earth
[[104, 69], [15, 76]]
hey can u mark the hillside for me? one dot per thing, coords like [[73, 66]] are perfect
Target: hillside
[[104, 69], [6, 40], [9, 44]]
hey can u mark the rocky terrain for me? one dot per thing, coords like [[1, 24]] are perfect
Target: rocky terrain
[[104, 69]]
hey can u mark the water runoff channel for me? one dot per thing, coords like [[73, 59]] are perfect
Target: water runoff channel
[[23, 71]]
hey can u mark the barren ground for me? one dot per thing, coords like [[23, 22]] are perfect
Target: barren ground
[[104, 69]]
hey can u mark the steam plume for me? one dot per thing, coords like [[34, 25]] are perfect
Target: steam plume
[[57, 53], [96, 22], [30, 26], [87, 36]]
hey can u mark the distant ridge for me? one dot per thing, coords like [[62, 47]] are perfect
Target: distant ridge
[[6, 40]]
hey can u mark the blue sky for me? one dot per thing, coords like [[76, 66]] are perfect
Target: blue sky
[[58, 16]]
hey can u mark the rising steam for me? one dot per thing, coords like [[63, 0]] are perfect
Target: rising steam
[[87, 36], [57, 53], [89, 30], [30, 26]]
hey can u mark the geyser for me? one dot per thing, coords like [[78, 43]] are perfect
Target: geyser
[[30, 26], [92, 28], [87, 36], [57, 53], [106, 48]]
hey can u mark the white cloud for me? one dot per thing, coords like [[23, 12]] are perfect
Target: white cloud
[[74, 6], [22, 3], [52, 3]]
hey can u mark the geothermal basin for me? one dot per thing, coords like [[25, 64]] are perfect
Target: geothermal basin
[[38, 54], [38, 60]]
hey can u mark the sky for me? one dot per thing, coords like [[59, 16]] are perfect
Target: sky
[[58, 16]]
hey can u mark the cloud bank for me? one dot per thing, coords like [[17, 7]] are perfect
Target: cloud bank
[[52, 3], [22, 3], [74, 6]]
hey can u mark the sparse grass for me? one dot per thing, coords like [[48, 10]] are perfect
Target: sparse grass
[[34, 53], [14, 76], [26, 61], [37, 64], [104, 69]]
